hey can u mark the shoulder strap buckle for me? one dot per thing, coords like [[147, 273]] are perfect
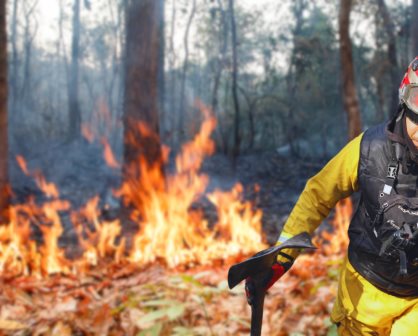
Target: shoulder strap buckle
[[392, 172]]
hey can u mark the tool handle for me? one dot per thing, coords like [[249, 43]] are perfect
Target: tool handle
[[257, 313]]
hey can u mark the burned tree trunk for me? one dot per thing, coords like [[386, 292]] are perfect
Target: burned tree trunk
[[15, 61], [141, 97], [74, 113], [391, 54], [237, 138], [4, 147], [350, 98], [182, 111], [142, 147]]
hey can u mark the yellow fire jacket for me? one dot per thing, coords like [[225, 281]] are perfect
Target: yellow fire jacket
[[337, 180]]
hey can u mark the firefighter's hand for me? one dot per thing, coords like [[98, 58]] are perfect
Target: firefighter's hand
[[265, 280]]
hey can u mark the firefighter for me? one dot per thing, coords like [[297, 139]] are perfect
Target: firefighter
[[378, 285]]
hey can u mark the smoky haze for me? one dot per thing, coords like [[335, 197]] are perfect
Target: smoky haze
[[67, 84]]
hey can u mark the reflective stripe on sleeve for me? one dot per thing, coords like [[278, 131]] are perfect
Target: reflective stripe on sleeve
[[283, 237]]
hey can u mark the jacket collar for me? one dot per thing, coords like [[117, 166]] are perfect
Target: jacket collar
[[395, 130]]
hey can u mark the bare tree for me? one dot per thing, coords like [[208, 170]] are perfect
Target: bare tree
[[184, 71], [4, 147], [295, 68], [30, 30], [15, 58], [219, 66], [350, 98], [237, 138], [116, 66], [171, 119], [391, 54], [60, 45], [74, 114], [141, 97], [161, 61]]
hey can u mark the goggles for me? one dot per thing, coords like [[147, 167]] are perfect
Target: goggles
[[409, 95]]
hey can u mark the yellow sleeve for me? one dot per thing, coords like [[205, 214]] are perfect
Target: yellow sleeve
[[337, 180]]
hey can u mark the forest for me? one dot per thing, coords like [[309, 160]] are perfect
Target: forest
[[148, 145]]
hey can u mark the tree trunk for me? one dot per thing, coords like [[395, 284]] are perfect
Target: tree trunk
[[290, 124], [4, 146], [391, 53], [182, 112], [237, 139], [73, 96], [15, 60], [251, 104], [30, 33], [123, 12], [142, 53], [414, 35], [220, 64], [60, 42], [161, 63], [350, 99], [141, 101], [114, 65], [170, 121]]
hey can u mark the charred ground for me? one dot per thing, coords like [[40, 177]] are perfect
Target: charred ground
[[271, 181]]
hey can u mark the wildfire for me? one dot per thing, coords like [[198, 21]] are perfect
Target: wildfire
[[336, 242], [169, 227]]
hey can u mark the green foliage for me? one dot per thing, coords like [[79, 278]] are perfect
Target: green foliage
[[155, 330]]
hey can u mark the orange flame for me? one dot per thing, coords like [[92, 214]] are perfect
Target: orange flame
[[336, 242], [108, 154], [169, 227], [170, 231], [22, 164], [87, 133]]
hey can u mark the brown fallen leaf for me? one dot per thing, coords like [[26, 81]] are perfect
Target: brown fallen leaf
[[67, 304], [61, 329], [11, 325]]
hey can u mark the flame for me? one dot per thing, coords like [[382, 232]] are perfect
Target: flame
[[336, 242], [108, 154], [170, 231], [22, 164], [49, 189], [171, 225], [87, 133]]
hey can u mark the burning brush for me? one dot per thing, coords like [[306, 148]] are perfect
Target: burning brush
[[169, 227]]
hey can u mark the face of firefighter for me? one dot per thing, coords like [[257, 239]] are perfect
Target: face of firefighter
[[412, 130]]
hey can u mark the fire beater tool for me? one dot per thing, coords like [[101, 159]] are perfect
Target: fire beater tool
[[259, 268]]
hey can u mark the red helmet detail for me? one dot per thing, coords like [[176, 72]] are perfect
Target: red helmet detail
[[408, 90]]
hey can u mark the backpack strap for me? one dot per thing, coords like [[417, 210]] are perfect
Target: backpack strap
[[393, 169]]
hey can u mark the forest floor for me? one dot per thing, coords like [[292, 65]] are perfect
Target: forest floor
[[124, 299]]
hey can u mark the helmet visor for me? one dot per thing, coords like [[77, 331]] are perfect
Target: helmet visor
[[411, 98]]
